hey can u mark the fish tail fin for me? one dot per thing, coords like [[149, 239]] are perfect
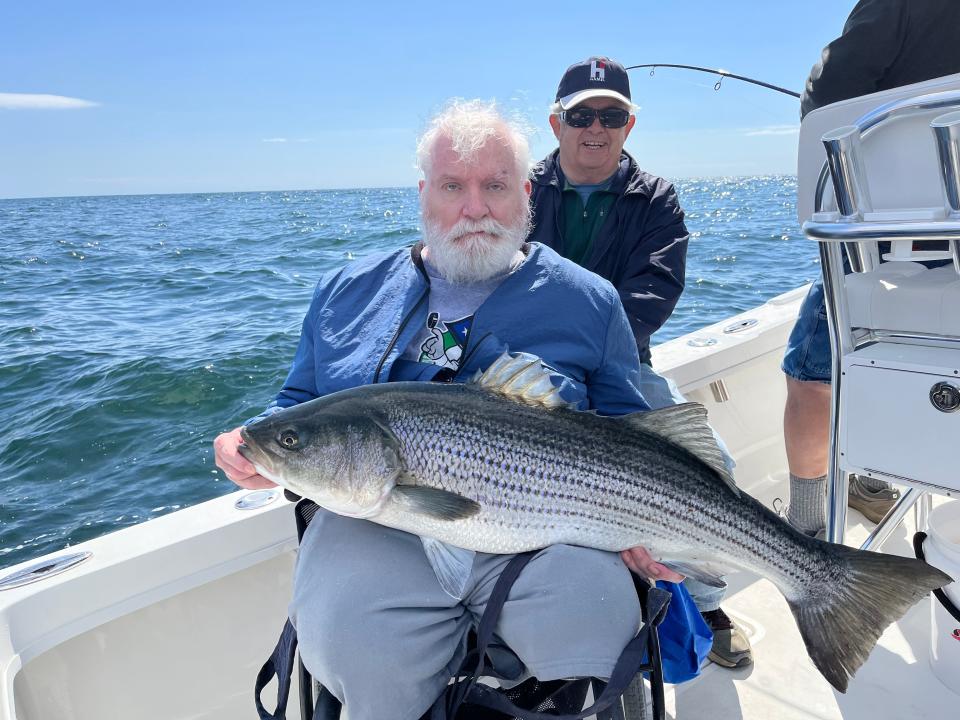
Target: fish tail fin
[[842, 618]]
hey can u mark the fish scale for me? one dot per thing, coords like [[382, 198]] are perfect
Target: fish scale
[[499, 465], [600, 488]]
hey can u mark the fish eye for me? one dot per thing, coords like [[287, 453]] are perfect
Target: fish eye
[[289, 439]]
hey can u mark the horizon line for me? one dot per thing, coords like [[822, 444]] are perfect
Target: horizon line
[[339, 189]]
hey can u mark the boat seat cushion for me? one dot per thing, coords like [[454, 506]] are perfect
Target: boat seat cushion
[[906, 297]]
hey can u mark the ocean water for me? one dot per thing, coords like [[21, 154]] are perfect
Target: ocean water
[[134, 329]]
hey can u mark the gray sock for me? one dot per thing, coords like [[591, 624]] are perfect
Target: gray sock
[[807, 511], [871, 484]]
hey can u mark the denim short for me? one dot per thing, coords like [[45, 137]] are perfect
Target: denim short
[[808, 355]]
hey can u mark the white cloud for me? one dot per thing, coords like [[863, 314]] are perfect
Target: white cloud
[[285, 140], [31, 101], [774, 130], [275, 140]]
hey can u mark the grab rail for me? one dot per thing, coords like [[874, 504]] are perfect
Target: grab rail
[[864, 230], [946, 131], [877, 116]]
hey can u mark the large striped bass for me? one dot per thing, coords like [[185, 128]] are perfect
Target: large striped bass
[[501, 465]]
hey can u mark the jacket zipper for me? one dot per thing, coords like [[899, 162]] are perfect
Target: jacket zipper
[[396, 336], [415, 257], [616, 231]]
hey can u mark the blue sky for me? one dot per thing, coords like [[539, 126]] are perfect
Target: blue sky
[[208, 96]]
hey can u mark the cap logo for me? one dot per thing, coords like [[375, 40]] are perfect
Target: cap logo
[[597, 70]]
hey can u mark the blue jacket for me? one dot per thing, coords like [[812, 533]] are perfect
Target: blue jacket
[[641, 248], [364, 315]]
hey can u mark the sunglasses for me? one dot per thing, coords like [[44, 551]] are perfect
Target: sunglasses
[[581, 117]]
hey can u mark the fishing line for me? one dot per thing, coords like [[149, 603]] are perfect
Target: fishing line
[[722, 73]]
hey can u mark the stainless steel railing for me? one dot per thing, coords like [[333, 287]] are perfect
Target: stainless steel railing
[[844, 166]]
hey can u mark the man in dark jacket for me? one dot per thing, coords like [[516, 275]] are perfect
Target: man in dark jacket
[[885, 44], [594, 205]]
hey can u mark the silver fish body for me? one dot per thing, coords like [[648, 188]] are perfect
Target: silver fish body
[[543, 478], [475, 467]]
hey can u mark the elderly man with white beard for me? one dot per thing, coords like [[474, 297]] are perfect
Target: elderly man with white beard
[[382, 615]]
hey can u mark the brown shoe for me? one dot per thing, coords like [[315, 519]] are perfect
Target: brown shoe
[[873, 504], [731, 648]]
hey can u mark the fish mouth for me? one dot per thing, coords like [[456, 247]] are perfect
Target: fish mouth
[[246, 449]]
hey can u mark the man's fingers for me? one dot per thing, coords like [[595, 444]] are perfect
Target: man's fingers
[[665, 573], [235, 466], [249, 480], [630, 562], [641, 562], [255, 482]]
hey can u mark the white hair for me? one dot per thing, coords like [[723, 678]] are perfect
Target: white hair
[[469, 124]]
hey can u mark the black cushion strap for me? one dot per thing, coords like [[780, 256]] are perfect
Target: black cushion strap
[[448, 704], [280, 665]]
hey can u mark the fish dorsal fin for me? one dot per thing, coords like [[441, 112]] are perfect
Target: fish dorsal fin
[[685, 425], [524, 378]]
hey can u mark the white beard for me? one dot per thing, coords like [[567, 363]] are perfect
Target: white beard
[[478, 257]]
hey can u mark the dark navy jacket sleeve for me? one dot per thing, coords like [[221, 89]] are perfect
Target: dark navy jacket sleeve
[[653, 280], [856, 62]]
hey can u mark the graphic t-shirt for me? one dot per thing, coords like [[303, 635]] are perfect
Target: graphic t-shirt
[[443, 341]]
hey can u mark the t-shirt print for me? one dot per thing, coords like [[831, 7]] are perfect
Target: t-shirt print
[[446, 341]]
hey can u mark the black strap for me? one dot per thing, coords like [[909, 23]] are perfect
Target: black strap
[[449, 702], [280, 665], [938, 593], [630, 662]]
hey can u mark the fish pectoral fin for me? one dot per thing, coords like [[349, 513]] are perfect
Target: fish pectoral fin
[[707, 574], [436, 503], [685, 425]]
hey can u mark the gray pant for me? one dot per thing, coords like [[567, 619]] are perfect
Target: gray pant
[[377, 630]]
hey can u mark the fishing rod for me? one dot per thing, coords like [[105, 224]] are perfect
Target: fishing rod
[[721, 73]]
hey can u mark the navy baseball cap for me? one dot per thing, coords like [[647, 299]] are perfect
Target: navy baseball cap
[[594, 77]]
